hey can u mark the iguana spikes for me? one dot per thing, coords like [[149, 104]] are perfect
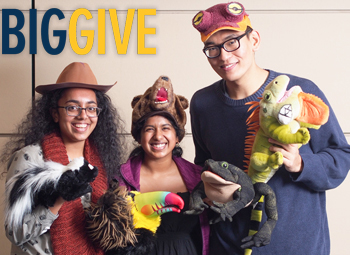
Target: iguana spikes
[[252, 128]]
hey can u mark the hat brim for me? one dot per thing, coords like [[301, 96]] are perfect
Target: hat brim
[[43, 89], [204, 37]]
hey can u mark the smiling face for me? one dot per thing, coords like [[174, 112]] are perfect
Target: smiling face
[[158, 137], [75, 129], [235, 65]]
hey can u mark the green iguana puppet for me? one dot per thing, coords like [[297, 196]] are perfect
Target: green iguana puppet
[[284, 116]]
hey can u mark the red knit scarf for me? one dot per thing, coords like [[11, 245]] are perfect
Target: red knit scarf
[[68, 233]]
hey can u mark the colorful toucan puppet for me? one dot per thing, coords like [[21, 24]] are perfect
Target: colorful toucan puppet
[[284, 116], [43, 183], [230, 189], [123, 222]]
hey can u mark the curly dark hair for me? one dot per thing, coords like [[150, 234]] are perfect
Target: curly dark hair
[[39, 122], [177, 151]]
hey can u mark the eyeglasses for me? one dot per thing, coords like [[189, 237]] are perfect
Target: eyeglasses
[[75, 111], [229, 46]]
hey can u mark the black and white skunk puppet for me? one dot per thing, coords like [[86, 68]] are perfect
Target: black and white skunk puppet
[[42, 183], [125, 223]]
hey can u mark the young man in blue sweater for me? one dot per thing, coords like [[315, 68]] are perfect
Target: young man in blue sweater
[[218, 117]]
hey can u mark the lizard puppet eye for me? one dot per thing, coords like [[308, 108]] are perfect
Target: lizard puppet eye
[[267, 96], [224, 165]]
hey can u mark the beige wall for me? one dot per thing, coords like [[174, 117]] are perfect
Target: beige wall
[[305, 38]]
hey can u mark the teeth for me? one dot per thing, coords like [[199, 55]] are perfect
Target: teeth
[[161, 102], [227, 66], [81, 125], [159, 145]]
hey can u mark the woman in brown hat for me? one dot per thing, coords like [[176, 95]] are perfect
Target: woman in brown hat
[[74, 118], [158, 122]]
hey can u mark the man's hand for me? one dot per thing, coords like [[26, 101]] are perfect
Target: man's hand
[[291, 157]]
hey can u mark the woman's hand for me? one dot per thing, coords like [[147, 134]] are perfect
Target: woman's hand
[[57, 206]]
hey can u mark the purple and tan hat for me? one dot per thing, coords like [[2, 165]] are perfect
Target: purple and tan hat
[[75, 75], [230, 16]]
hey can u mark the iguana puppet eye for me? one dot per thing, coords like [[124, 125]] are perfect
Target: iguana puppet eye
[[224, 165], [267, 96]]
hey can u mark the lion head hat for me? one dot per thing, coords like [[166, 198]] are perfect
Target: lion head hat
[[159, 99]]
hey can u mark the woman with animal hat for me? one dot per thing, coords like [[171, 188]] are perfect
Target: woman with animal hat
[[158, 121], [73, 119]]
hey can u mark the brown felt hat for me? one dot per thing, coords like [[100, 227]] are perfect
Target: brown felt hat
[[159, 99], [75, 75]]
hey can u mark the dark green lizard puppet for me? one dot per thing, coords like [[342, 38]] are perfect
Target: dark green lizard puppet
[[230, 189]]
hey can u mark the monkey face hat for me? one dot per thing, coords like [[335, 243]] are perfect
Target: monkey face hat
[[159, 99], [231, 16]]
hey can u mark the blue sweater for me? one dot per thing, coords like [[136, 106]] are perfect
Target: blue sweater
[[219, 131]]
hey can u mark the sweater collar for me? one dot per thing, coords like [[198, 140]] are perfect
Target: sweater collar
[[223, 95]]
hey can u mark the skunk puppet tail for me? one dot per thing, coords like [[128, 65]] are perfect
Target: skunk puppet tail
[[42, 184]]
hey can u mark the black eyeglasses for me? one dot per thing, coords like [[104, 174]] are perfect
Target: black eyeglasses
[[75, 111], [229, 46]]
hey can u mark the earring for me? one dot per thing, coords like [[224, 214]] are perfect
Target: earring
[[177, 144]]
